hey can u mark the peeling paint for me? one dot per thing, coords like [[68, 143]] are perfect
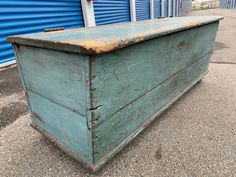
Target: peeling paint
[[93, 41]]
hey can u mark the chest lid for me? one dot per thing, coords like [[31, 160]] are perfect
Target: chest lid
[[102, 39]]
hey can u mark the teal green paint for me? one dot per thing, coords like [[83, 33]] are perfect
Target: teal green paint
[[57, 91], [124, 75], [56, 75], [91, 41], [93, 102], [66, 126], [132, 116]]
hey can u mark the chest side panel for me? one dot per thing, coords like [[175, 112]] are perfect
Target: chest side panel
[[66, 127], [121, 77], [58, 96], [124, 125], [132, 84], [57, 76]]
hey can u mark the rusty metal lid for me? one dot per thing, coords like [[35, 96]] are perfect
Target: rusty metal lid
[[102, 39]]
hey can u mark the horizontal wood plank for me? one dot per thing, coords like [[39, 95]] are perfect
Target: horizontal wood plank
[[121, 77], [67, 127], [114, 130], [57, 76]]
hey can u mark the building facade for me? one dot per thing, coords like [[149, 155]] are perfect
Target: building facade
[[228, 4]]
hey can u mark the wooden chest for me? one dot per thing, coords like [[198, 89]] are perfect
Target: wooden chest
[[92, 90]]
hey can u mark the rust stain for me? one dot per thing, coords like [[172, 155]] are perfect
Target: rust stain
[[107, 45], [181, 44], [54, 29], [192, 23], [98, 47], [95, 47]]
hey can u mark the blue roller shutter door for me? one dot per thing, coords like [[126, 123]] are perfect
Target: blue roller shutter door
[[28, 16], [172, 7], [111, 11], [157, 8], [166, 7], [176, 7], [142, 9], [228, 3], [222, 3]]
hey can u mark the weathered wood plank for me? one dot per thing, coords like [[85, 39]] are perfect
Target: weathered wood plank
[[67, 127], [113, 131], [121, 77], [103, 39], [58, 76]]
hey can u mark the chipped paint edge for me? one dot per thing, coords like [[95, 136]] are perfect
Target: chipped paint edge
[[95, 48]]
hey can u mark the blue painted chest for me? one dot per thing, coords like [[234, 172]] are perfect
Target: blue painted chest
[[92, 90]]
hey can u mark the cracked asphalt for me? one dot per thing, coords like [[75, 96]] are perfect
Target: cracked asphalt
[[195, 137]]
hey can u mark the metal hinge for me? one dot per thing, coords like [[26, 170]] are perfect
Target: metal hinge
[[53, 29]]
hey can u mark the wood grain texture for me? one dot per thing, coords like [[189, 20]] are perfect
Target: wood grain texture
[[67, 127], [112, 131], [58, 95], [58, 76], [123, 76], [104, 39]]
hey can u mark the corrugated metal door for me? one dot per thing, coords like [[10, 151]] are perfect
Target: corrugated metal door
[[228, 3], [172, 7], [111, 11], [157, 8], [166, 7], [222, 3], [142, 9], [176, 7], [27, 16]]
